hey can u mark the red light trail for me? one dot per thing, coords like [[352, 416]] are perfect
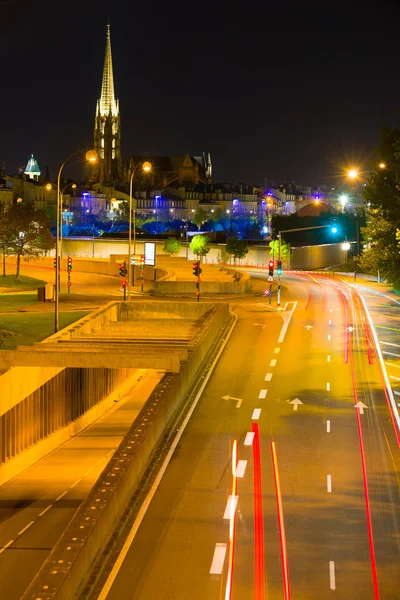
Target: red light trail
[[282, 535], [259, 577]]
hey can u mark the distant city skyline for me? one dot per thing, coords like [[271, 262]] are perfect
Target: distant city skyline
[[292, 101]]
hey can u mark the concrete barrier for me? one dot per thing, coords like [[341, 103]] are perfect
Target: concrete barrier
[[66, 570]]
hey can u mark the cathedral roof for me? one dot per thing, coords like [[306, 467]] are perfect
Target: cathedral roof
[[32, 166]]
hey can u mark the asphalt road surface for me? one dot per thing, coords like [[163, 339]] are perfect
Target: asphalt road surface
[[289, 488]]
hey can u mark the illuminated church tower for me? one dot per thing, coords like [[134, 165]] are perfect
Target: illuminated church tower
[[107, 132]]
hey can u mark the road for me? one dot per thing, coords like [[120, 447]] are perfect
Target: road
[[36, 506], [317, 509]]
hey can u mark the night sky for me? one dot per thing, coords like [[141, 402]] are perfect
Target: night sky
[[291, 91]]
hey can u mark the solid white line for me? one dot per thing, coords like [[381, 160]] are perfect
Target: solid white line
[[393, 377], [25, 528], [329, 337], [389, 344], [277, 350], [256, 413], [6, 546], [232, 500], [240, 468], [272, 363], [286, 319], [328, 387], [218, 559], [329, 358], [328, 427], [143, 509], [59, 497], [45, 510], [262, 393], [392, 365], [268, 377], [76, 483], [248, 440], [332, 581], [379, 351], [329, 483]]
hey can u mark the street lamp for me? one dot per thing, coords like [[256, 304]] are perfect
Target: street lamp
[[146, 166], [382, 165], [91, 156], [352, 174], [73, 186], [346, 248]]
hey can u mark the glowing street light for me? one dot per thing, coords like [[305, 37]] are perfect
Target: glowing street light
[[352, 174], [382, 165]]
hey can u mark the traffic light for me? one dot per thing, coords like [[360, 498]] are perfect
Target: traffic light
[[123, 283], [142, 262], [279, 268], [55, 263], [271, 268], [69, 263], [334, 225], [122, 269], [196, 269]]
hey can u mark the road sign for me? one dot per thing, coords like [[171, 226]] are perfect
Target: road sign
[[69, 283], [266, 292], [270, 278]]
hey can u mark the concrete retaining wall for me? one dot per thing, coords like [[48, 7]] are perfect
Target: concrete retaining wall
[[67, 568]]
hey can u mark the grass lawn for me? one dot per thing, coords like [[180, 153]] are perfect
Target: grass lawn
[[26, 283], [34, 327], [16, 301]]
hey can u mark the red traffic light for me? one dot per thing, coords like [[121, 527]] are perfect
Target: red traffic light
[[123, 283], [271, 264]]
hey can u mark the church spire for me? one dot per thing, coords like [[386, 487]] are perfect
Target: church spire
[[107, 100]]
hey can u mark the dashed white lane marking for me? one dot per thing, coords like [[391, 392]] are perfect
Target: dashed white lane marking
[[248, 440], [240, 468], [100, 461], [272, 363], [390, 353], [6, 546], [268, 377], [328, 427], [59, 497], [392, 365], [45, 510], [389, 344], [330, 310], [329, 358], [76, 483], [218, 559], [328, 387], [25, 528], [396, 393], [277, 350], [393, 377], [256, 413], [87, 472], [329, 337], [230, 506], [332, 580], [329, 483], [330, 322], [111, 451], [262, 393]]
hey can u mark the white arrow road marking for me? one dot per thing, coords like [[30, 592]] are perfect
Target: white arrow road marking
[[239, 400], [332, 580], [272, 363], [360, 406], [240, 468], [230, 506], [295, 403], [329, 483], [308, 327], [248, 441], [268, 377], [256, 413], [218, 559], [262, 393]]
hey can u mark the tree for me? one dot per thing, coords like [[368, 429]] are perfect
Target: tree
[[200, 245], [171, 246], [236, 248], [381, 252], [5, 237], [274, 250], [30, 233], [200, 216]]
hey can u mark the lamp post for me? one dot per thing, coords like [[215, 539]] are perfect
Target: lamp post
[[146, 166], [91, 156], [346, 248]]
